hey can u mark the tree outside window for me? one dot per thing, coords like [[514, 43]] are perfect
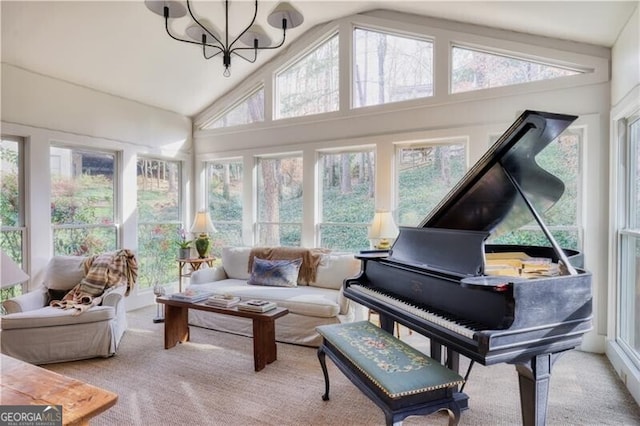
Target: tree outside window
[[82, 201], [425, 174], [279, 196], [310, 86], [390, 68], [159, 198], [347, 201], [224, 197]]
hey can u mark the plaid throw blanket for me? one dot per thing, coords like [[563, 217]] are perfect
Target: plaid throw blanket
[[103, 272]]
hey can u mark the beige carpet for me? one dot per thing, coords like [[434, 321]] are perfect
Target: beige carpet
[[210, 381]]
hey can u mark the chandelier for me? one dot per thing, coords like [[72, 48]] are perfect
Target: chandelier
[[253, 38]]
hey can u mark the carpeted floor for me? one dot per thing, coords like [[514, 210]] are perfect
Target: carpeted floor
[[210, 381]]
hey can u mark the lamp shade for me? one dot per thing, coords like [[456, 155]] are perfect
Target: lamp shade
[[285, 11], [202, 223], [383, 226], [11, 273], [176, 8]]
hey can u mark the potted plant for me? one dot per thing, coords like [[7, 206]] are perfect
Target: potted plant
[[184, 244]]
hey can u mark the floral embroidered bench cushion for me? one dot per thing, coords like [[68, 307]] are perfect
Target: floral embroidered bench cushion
[[392, 365]]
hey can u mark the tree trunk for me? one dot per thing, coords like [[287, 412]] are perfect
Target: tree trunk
[[345, 173], [269, 234]]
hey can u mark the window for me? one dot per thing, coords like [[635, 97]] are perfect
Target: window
[[309, 86], [629, 285], [347, 202], [83, 201], [425, 174], [12, 205], [561, 158], [390, 68], [224, 197], [474, 69], [279, 196], [249, 110], [159, 199]]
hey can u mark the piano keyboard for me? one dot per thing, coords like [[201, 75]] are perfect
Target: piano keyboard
[[432, 317]]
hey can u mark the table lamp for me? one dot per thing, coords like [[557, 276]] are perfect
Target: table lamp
[[382, 229], [11, 273], [202, 225]]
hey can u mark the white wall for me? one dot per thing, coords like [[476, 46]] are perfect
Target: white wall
[[43, 110], [625, 58], [36, 100]]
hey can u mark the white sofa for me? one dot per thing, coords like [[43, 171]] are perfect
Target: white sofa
[[319, 303], [37, 333]]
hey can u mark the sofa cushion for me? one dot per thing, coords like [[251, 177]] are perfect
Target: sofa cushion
[[235, 261], [303, 300], [49, 317], [64, 272], [334, 268], [279, 273]]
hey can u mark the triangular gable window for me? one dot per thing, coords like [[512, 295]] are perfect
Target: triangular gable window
[[249, 110], [310, 85], [475, 70]]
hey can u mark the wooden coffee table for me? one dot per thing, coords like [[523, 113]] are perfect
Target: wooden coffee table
[[176, 327]]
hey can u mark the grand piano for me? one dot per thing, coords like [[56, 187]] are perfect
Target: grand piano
[[443, 280]]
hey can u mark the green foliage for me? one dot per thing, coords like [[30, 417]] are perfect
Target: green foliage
[[157, 254]]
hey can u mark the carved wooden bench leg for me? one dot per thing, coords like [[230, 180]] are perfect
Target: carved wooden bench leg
[[323, 364]]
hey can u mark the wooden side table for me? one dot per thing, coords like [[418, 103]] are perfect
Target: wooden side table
[[26, 384], [195, 264]]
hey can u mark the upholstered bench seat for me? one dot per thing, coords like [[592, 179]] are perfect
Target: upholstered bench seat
[[398, 378]]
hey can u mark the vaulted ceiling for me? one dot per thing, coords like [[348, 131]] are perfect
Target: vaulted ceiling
[[120, 47]]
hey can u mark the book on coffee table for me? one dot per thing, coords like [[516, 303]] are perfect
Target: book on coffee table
[[191, 295], [222, 301], [255, 305]]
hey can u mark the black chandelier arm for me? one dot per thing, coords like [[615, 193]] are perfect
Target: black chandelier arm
[[244, 57], [255, 15], [204, 52], [202, 26], [284, 35], [166, 26]]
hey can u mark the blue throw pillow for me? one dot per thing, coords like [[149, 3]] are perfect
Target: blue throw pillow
[[279, 273]]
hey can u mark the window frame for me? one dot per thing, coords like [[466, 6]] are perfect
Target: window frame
[[227, 110], [394, 33], [319, 192], [207, 200], [300, 56], [180, 222], [117, 197], [21, 225], [628, 237], [256, 198]]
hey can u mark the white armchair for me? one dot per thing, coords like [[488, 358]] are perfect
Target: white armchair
[[37, 333]]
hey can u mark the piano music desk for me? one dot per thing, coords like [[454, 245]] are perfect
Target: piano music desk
[[399, 379]]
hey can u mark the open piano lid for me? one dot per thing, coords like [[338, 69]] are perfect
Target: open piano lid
[[487, 198], [503, 191]]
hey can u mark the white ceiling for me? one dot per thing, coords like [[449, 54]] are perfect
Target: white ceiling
[[120, 47]]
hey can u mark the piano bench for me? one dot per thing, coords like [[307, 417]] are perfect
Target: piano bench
[[398, 378]]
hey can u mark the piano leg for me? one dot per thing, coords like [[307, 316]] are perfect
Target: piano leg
[[387, 324], [534, 377]]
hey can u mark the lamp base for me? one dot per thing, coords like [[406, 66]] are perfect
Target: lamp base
[[383, 244], [202, 245]]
